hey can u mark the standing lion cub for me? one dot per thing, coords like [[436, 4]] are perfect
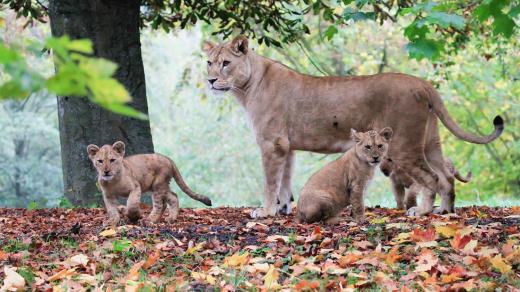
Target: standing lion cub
[[343, 181], [129, 177]]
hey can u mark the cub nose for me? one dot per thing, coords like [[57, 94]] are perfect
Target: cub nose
[[107, 172], [212, 80], [376, 157]]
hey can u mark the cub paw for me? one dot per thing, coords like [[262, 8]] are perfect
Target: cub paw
[[262, 213]]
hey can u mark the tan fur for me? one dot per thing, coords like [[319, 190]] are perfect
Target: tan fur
[[292, 111], [406, 189], [120, 176], [343, 182]]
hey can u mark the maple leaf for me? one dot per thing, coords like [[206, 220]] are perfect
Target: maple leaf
[[236, 260], [498, 263], [426, 260], [12, 281], [307, 285], [315, 235], [204, 277], [420, 235], [447, 231], [349, 259], [392, 256], [459, 242]]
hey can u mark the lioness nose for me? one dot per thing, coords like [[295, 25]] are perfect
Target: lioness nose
[[212, 80]]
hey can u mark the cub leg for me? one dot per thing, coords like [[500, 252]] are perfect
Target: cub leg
[[112, 210], [273, 160], [132, 204], [399, 192], [173, 207], [158, 205], [358, 202], [285, 195]]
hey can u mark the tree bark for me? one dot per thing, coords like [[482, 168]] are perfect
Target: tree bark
[[113, 27]]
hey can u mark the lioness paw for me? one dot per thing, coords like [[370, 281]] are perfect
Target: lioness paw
[[262, 213], [416, 211], [441, 211], [285, 209]]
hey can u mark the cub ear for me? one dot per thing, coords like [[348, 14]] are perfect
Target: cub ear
[[92, 150], [355, 135], [119, 147], [207, 46], [239, 45], [386, 133]]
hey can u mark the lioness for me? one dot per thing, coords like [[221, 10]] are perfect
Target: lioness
[[343, 181], [292, 111], [120, 176], [402, 181]]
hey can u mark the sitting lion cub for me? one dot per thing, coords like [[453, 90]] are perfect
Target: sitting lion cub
[[343, 181], [133, 175]]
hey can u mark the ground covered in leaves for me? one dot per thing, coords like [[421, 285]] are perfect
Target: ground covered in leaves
[[222, 249]]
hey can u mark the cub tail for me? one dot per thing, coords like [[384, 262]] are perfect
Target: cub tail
[[184, 187]]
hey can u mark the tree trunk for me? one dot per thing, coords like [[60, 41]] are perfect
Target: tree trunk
[[113, 27]]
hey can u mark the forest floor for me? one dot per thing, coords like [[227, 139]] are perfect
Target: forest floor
[[222, 249]]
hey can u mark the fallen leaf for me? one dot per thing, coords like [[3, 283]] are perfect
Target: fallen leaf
[[426, 260], [12, 281], [459, 242], [423, 235], [152, 258], [194, 249], [133, 273], [447, 231], [498, 263], [204, 278], [236, 260], [307, 285], [62, 274], [79, 260], [271, 278]]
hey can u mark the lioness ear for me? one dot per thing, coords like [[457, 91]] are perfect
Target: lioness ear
[[119, 147], [239, 45], [207, 46], [355, 135], [92, 150], [386, 133]]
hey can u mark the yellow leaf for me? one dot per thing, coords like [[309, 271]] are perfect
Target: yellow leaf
[[108, 233], [271, 278], [204, 277], [236, 260], [13, 281], [499, 264], [445, 231], [62, 274], [379, 220], [194, 249]]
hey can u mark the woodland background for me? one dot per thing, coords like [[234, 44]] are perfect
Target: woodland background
[[208, 136]]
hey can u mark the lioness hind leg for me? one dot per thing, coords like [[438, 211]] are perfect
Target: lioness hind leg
[[173, 207], [399, 192], [410, 199]]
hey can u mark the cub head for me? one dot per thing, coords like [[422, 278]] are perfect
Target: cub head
[[372, 146], [108, 160], [228, 64]]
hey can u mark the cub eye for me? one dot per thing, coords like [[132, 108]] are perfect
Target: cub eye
[[209, 63], [368, 147], [225, 63], [100, 161], [380, 146], [112, 160]]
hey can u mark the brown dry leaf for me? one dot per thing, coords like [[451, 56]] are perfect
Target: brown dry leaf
[[349, 259], [133, 286], [62, 274], [108, 233], [152, 259], [271, 278], [133, 273], [3, 256], [79, 260], [307, 285], [204, 278], [426, 260], [420, 235], [459, 242]]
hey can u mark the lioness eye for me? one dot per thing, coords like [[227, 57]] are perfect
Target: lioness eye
[[225, 63], [100, 161], [112, 160], [209, 63], [380, 146], [368, 146]]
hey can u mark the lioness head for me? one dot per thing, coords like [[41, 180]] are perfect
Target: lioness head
[[108, 160], [228, 65], [372, 146]]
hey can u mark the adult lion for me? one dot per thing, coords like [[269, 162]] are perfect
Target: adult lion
[[293, 111]]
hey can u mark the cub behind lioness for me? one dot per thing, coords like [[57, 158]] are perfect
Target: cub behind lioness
[[120, 176], [343, 181]]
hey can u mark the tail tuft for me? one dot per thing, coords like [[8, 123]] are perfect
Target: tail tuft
[[498, 122], [206, 201]]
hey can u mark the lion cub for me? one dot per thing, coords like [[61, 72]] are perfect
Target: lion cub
[[343, 181], [406, 189], [120, 176]]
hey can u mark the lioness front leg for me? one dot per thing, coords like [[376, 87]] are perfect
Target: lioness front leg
[[111, 205], [285, 195], [132, 204], [273, 160]]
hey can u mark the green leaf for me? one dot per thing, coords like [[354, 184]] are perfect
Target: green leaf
[[446, 20], [125, 110], [504, 25], [82, 46], [8, 55], [13, 89], [97, 67], [330, 32], [424, 48], [416, 30], [106, 91]]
